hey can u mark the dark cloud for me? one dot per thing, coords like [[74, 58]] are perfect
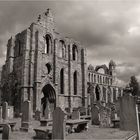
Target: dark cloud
[[108, 29]]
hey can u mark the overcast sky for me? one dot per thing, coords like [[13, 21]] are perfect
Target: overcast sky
[[109, 29]]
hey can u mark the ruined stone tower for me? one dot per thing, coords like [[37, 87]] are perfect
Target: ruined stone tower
[[45, 68]]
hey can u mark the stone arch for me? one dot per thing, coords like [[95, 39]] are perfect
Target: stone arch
[[94, 78], [74, 52], [48, 44], [104, 94], [75, 82], [62, 81], [89, 77], [48, 101], [104, 67], [49, 67], [97, 92], [62, 49]]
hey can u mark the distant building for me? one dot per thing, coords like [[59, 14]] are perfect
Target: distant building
[[51, 70], [102, 83]]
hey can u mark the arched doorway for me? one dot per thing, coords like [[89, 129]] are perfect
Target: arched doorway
[[97, 92], [48, 101]]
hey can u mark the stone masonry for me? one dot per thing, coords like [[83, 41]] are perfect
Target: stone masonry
[[51, 71], [45, 68]]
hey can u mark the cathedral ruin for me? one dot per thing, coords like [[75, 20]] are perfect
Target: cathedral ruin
[[51, 70]]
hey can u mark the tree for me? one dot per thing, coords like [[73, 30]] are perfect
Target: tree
[[134, 85]]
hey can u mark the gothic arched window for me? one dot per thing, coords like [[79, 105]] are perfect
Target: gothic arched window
[[48, 44], [89, 77], [62, 49], [75, 83], [49, 68], [94, 78], [74, 52], [62, 81]]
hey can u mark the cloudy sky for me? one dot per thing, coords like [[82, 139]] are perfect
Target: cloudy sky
[[109, 29]]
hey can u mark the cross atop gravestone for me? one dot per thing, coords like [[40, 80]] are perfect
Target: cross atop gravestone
[[5, 111], [6, 132], [58, 131]]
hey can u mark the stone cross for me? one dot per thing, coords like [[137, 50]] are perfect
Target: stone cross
[[95, 115], [5, 111], [6, 132], [59, 126]]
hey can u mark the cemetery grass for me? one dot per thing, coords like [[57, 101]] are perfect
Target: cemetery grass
[[94, 133]]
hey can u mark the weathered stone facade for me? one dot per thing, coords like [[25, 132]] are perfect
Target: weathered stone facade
[[102, 84], [45, 68], [50, 70]]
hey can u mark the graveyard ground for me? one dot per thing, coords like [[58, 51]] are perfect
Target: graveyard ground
[[94, 133]]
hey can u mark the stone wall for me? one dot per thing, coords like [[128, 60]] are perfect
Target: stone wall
[[35, 61]]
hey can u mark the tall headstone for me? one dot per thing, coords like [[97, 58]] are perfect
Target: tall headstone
[[59, 125], [5, 111], [6, 132], [129, 113], [95, 115], [75, 114], [0, 113], [105, 117], [26, 116]]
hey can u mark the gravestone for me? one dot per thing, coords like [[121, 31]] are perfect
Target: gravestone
[[26, 116], [10, 112], [95, 115], [75, 114], [105, 117], [5, 111], [0, 113], [129, 119], [82, 111], [37, 115], [59, 125], [6, 132], [88, 110]]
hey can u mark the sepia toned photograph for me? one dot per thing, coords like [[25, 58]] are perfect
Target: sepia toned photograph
[[70, 70]]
